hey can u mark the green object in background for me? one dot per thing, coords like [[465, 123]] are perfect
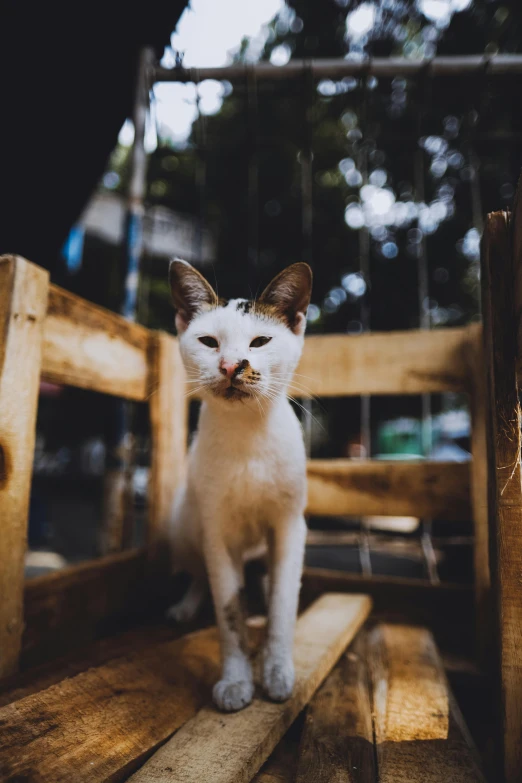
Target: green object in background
[[399, 439]]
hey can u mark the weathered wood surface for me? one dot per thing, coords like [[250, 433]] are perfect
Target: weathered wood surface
[[479, 501], [412, 362], [389, 487], [419, 731], [71, 607], [168, 415], [281, 766], [23, 303], [337, 740], [94, 348], [100, 724], [504, 476], [231, 748]]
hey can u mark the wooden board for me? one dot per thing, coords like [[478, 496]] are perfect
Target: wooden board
[[93, 348], [100, 724], [479, 502], [419, 731], [504, 479], [23, 303], [231, 748], [281, 766], [168, 416], [337, 740], [68, 608], [389, 488], [412, 362]]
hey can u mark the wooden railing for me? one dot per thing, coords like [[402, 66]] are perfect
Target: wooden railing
[[46, 331]]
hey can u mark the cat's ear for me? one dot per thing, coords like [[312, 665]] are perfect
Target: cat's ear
[[191, 293], [289, 295]]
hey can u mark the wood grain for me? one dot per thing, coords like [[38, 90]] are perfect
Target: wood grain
[[504, 479], [23, 303], [389, 487], [231, 748], [93, 348], [66, 609], [412, 362], [419, 732], [479, 502], [99, 725], [169, 432], [337, 740]]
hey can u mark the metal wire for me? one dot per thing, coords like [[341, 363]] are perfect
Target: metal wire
[[253, 168]]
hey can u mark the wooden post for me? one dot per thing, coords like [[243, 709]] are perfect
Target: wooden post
[[479, 498], [168, 415], [23, 305], [504, 481]]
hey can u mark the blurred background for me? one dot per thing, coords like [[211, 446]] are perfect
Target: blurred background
[[380, 183]]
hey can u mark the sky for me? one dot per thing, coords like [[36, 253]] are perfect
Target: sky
[[209, 33]]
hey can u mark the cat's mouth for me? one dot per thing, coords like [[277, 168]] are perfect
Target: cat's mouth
[[233, 392]]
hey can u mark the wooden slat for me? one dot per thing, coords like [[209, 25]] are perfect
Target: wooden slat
[[23, 303], [99, 725], [504, 478], [281, 766], [389, 487], [93, 348], [68, 608], [337, 740], [231, 748], [479, 501], [168, 415], [419, 731], [413, 362]]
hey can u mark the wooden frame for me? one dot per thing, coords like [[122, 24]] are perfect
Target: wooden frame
[[502, 303], [81, 344]]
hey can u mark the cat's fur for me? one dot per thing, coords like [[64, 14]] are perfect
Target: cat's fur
[[246, 482]]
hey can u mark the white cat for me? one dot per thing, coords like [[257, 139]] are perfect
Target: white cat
[[246, 481]]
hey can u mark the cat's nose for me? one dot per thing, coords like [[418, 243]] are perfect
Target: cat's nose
[[228, 368], [232, 369]]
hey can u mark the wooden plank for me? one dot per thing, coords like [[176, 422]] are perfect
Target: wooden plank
[[419, 731], [68, 608], [99, 725], [93, 348], [389, 487], [23, 294], [412, 362], [479, 501], [281, 766], [504, 479], [337, 740], [169, 430], [231, 748]]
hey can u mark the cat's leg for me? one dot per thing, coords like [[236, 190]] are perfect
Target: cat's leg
[[287, 545], [188, 607], [235, 689]]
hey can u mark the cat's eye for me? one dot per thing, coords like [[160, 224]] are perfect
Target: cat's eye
[[257, 342], [210, 342]]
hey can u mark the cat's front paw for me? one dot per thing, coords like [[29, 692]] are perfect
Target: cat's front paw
[[230, 695], [278, 678], [182, 612]]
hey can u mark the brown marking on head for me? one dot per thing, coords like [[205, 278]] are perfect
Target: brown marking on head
[[235, 618], [287, 297], [191, 293]]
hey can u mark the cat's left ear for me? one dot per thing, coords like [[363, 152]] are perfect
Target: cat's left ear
[[191, 293], [289, 295]]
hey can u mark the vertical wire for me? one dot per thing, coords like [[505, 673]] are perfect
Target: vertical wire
[[306, 162], [253, 169], [428, 550], [364, 261]]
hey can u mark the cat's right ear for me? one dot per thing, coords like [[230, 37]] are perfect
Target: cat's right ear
[[190, 292]]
